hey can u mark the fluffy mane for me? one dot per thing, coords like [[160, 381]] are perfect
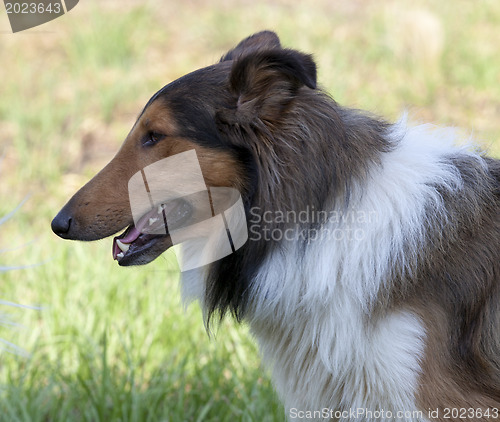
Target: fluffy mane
[[424, 270], [371, 273]]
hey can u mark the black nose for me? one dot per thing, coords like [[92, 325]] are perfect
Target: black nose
[[61, 224]]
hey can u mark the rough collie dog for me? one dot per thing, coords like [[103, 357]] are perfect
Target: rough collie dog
[[371, 273]]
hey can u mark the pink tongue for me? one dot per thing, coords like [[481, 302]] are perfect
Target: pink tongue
[[131, 236], [134, 232]]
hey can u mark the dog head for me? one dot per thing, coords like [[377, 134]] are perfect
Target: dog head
[[215, 111]]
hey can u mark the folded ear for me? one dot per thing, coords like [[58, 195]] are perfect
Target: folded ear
[[265, 40], [266, 83]]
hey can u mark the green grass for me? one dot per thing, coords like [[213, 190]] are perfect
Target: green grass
[[115, 344]]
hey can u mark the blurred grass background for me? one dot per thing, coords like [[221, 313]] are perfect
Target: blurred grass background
[[114, 344]]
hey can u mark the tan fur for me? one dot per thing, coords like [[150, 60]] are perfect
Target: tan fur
[[259, 124], [440, 387], [107, 193]]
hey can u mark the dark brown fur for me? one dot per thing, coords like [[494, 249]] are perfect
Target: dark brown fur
[[259, 124], [460, 297]]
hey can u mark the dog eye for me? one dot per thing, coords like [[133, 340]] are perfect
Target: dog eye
[[152, 138]]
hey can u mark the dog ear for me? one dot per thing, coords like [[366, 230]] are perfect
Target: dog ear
[[265, 40], [265, 84]]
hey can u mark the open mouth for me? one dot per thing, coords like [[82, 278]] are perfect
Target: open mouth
[[149, 237]]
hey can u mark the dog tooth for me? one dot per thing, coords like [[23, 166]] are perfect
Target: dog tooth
[[120, 255], [123, 246], [153, 220]]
